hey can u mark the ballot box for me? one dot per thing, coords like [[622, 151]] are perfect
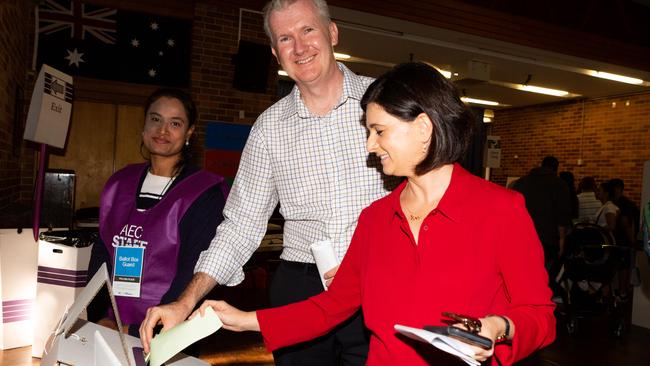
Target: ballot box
[[63, 257], [18, 260], [75, 341]]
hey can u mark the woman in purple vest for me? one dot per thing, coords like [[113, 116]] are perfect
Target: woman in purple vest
[[155, 218]]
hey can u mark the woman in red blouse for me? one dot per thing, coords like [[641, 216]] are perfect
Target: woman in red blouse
[[444, 240]]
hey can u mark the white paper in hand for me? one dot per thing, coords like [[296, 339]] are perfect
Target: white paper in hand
[[326, 259], [167, 344], [442, 342]]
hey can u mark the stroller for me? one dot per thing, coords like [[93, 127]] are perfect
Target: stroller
[[591, 263]]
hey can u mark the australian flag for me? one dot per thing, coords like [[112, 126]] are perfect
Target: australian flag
[[98, 42]]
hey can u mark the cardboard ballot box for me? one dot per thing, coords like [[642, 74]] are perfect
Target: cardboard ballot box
[[62, 275], [18, 258], [74, 341]]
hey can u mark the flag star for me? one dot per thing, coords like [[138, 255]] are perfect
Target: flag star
[[152, 73], [135, 42], [170, 42], [74, 57], [154, 26]]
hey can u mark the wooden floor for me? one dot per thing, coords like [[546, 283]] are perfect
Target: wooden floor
[[593, 346]]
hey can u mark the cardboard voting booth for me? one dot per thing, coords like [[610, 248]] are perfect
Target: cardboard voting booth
[[74, 341], [50, 108], [18, 259], [62, 275]]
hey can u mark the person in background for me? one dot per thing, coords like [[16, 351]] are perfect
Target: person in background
[[307, 153], [608, 212], [444, 240], [549, 204], [588, 202], [569, 179], [163, 212], [626, 232]]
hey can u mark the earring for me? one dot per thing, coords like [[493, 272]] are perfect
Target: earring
[[187, 142], [424, 147]]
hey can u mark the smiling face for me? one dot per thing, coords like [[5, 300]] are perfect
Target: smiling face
[[302, 42], [166, 128], [397, 143]]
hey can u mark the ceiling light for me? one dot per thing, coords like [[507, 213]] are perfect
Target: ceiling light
[[445, 73], [479, 101], [282, 73], [341, 56], [615, 77], [542, 90]]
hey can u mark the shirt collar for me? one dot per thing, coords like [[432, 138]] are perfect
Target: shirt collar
[[353, 88], [452, 204]]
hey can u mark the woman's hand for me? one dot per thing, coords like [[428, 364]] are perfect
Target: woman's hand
[[231, 317], [491, 328]]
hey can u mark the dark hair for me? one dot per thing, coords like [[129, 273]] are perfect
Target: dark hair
[[551, 162], [587, 184], [608, 188], [413, 88], [617, 183], [190, 111]]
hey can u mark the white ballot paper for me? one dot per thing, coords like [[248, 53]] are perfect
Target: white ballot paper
[[442, 342], [169, 343], [326, 259]]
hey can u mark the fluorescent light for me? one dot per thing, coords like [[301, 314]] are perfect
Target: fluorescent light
[[615, 77], [478, 101], [282, 73], [341, 56], [487, 119], [542, 90], [445, 73]]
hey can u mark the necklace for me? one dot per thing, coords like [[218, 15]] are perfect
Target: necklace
[[411, 216], [169, 182]]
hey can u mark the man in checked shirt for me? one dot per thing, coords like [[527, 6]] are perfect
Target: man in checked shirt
[[307, 151]]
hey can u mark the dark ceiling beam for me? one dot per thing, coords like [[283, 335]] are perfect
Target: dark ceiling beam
[[479, 21]]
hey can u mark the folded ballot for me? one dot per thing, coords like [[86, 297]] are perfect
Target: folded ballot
[[442, 342], [325, 257]]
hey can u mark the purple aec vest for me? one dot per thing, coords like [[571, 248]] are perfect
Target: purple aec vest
[[157, 229]]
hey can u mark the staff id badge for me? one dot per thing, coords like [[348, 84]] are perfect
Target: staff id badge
[[127, 275]]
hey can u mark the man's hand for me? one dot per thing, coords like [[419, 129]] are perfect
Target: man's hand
[[173, 313], [169, 315], [329, 276]]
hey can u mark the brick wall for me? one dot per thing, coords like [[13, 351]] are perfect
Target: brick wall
[[610, 135], [214, 44], [16, 159]]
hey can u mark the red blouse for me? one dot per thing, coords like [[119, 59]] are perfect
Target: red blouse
[[478, 254]]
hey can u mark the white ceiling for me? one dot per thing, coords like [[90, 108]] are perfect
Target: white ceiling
[[377, 42]]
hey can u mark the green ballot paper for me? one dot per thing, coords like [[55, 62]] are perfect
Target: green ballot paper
[[167, 344]]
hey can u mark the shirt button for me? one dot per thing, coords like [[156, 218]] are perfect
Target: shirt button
[[425, 228]]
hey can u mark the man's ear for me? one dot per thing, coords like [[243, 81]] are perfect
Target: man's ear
[[334, 34]]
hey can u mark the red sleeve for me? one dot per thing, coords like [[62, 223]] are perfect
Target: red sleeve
[[521, 261], [298, 322]]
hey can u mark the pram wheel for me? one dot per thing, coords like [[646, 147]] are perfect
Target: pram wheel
[[572, 326]]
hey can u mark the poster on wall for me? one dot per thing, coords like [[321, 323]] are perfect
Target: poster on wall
[[493, 152], [224, 143]]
